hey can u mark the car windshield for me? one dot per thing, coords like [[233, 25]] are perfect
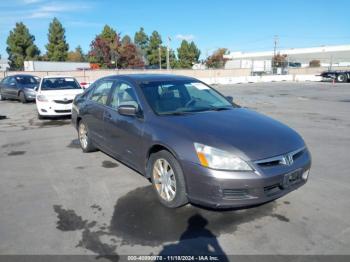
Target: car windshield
[[59, 83], [26, 80], [182, 96]]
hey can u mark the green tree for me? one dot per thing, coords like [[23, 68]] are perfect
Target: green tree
[[21, 47], [141, 39], [188, 54], [126, 40], [57, 47], [217, 60], [77, 55], [109, 34], [152, 50]]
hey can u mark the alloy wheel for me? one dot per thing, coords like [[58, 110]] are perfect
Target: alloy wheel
[[83, 138], [164, 179]]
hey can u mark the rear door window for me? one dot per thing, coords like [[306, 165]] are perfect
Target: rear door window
[[101, 92]]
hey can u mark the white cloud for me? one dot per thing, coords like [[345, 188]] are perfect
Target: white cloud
[[185, 37], [31, 1], [54, 8]]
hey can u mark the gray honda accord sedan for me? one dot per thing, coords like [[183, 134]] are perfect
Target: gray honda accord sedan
[[194, 144]]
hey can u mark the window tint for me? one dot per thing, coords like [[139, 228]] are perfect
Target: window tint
[[11, 80], [5, 80], [182, 96], [25, 80], [59, 83], [101, 92], [124, 94]]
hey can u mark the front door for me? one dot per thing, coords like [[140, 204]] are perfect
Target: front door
[[123, 133]]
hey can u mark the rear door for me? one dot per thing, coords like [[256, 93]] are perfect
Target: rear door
[[95, 110], [3, 85], [7, 86]]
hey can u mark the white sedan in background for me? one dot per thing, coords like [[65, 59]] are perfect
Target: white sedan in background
[[55, 95]]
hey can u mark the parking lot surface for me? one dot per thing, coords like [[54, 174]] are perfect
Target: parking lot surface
[[54, 199]]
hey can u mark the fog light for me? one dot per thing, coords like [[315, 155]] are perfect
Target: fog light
[[306, 174], [43, 110]]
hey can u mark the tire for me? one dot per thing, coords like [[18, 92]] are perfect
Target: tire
[[40, 117], [342, 78], [85, 141], [2, 97], [164, 190], [22, 97]]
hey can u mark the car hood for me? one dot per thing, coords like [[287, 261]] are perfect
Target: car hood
[[61, 94], [249, 134]]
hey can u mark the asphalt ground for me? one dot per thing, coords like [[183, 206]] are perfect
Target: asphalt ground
[[54, 199]]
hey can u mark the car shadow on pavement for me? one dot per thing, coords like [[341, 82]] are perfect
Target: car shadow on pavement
[[197, 240], [139, 219]]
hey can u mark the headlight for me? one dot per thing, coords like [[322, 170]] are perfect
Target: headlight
[[218, 159], [41, 98]]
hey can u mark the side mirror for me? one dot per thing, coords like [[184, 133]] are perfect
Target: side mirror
[[36, 88], [12, 84], [230, 99], [127, 110]]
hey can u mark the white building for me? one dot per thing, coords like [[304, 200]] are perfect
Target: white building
[[327, 55], [4, 65], [32, 66]]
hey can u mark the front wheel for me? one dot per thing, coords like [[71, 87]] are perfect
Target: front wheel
[[167, 179], [84, 139]]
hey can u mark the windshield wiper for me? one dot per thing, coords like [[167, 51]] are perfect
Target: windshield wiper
[[219, 108], [179, 113]]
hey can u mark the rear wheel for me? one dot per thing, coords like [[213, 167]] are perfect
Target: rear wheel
[[167, 179], [84, 139], [22, 97], [342, 78]]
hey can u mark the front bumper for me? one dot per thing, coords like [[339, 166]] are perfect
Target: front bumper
[[53, 109], [30, 96], [227, 189]]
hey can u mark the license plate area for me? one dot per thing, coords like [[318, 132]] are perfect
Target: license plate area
[[292, 178]]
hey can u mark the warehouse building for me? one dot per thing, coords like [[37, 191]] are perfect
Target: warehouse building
[[328, 56], [4, 65], [31, 66]]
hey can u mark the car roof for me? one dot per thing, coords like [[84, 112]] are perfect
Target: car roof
[[150, 77], [58, 76], [21, 75]]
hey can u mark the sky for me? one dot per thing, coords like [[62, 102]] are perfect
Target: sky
[[248, 25]]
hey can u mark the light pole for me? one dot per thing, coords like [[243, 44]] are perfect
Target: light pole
[[274, 54], [168, 55], [160, 57]]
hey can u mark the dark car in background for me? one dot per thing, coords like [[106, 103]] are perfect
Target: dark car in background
[[338, 76], [193, 143], [19, 87]]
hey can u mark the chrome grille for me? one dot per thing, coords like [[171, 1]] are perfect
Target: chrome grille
[[65, 102], [286, 159]]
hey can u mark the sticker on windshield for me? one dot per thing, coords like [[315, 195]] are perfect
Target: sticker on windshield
[[200, 86], [69, 79]]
